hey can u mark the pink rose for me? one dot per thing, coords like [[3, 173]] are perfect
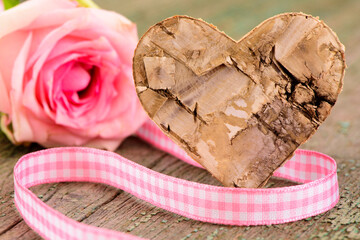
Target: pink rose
[[1, 6], [66, 75]]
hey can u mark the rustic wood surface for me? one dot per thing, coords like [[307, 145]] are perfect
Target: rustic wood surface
[[104, 206]]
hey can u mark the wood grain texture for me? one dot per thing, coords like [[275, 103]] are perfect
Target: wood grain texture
[[239, 108], [104, 206]]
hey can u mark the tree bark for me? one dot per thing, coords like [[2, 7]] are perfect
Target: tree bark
[[242, 108]]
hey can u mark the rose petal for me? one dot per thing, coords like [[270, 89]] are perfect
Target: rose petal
[[118, 29], [96, 46], [28, 11], [125, 90], [126, 38], [98, 112], [107, 144], [9, 47], [41, 90], [76, 79], [106, 57], [61, 139], [22, 129], [4, 97], [52, 135], [47, 44]]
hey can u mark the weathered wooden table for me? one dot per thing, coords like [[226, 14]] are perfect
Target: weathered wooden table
[[104, 206]]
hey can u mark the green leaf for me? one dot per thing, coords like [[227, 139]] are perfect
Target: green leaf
[[87, 3], [6, 128], [10, 3]]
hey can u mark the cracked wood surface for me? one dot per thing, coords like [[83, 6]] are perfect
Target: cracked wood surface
[[239, 108], [105, 206]]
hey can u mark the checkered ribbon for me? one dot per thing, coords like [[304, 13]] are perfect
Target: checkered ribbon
[[235, 206]]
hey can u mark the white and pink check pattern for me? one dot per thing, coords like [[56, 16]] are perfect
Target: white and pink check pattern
[[234, 206]]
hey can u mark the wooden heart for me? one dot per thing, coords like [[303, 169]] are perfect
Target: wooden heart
[[242, 108]]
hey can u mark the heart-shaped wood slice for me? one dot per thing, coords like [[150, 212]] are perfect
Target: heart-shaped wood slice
[[242, 108]]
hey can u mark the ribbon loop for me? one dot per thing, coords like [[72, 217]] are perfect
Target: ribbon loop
[[221, 205]]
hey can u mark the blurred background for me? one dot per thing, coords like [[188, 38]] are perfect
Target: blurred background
[[237, 17], [339, 136]]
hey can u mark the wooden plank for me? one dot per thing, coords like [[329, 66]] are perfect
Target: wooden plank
[[105, 206]]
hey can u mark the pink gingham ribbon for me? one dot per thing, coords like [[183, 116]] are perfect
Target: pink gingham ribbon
[[234, 206]]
